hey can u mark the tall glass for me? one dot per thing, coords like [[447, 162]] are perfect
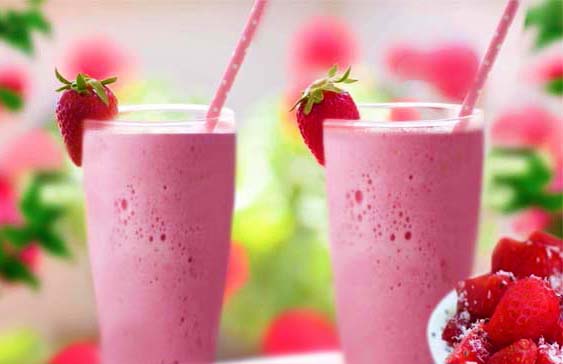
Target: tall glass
[[159, 193], [404, 202]]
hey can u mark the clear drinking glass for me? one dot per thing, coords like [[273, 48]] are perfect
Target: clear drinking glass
[[403, 202], [159, 193]]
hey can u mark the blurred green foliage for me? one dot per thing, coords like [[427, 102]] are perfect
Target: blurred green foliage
[[17, 26], [547, 19], [519, 179]]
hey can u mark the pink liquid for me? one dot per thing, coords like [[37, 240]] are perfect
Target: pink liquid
[[159, 220], [403, 211]]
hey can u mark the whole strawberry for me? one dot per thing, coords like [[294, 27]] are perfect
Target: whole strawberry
[[84, 99], [323, 100], [529, 309]]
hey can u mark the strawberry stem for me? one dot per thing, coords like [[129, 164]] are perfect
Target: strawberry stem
[[314, 94], [84, 84]]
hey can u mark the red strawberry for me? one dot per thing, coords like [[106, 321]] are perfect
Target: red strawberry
[[322, 100], [526, 259], [473, 349], [529, 309], [480, 295], [78, 353], [549, 353], [540, 237], [455, 328], [521, 352], [299, 330], [237, 270], [84, 99]]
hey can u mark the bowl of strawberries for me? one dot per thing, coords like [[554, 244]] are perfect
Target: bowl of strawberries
[[512, 315]]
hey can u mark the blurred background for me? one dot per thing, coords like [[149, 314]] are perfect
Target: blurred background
[[278, 298]]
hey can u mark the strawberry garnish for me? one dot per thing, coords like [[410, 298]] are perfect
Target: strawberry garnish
[[456, 327], [529, 309], [480, 295], [542, 259], [473, 349], [540, 237], [523, 351], [322, 100], [84, 99]]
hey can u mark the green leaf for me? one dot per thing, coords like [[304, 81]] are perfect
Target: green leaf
[[11, 100], [36, 20], [13, 270], [519, 178], [108, 81], [80, 83], [332, 71], [547, 18], [61, 78], [345, 76], [100, 91], [53, 243], [555, 87], [18, 236]]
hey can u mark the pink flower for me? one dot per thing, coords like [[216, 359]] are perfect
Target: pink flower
[[318, 45], [9, 213], [531, 220], [449, 67], [14, 78], [548, 69], [526, 126], [33, 150], [99, 57], [533, 126]]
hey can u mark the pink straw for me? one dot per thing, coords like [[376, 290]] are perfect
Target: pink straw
[[487, 63], [234, 64]]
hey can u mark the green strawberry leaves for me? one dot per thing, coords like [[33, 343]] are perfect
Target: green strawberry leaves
[[84, 84], [314, 94]]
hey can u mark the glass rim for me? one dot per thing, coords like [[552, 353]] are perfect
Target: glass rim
[[424, 123], [195, 116]]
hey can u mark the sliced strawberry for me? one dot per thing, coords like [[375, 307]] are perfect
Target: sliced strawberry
[[549, 353], [526, 259], [480, 295], [324, 100], [474, 348], [456, 327], [529, 309], [84, 99], [543, 238], [521, 352]]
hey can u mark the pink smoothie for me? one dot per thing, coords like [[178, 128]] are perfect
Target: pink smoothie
[[403, 208], [159, 212]]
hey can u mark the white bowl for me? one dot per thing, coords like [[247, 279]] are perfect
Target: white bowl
[[438, 320]]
